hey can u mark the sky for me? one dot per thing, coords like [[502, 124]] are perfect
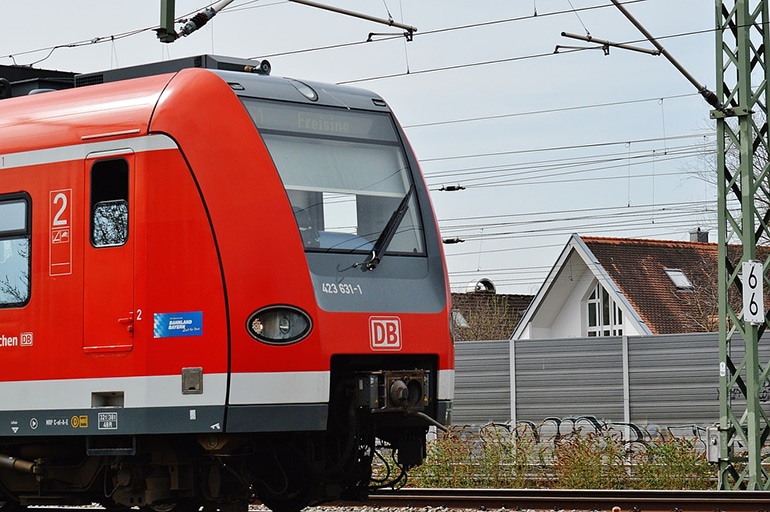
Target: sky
[[542, 143]]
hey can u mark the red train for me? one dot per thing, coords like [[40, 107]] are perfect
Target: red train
[[215, 286]]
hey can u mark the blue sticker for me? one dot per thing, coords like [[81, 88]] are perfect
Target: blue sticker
[[167, 325]]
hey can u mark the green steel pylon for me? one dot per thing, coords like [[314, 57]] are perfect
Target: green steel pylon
[[744, 195]]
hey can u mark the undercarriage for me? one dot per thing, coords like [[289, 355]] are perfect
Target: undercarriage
[[285, 471], [372, 414]]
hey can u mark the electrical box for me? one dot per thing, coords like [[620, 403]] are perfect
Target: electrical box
[[713, 444]]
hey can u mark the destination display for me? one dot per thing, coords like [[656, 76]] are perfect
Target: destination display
[[323, 121]]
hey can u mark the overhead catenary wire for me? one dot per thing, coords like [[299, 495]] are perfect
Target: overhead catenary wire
[[112, 37], [593, 210], [554, 148], [618, 216], [474, 64], [519, 58], [554, 110], [570, 176], [434, 175], [670, 226], [534, 275], [568, 160], [555, 173], [591, 226], [127, 34], [425, 33], [233, 8]]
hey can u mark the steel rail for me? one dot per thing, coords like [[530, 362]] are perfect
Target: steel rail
[[576, 499]]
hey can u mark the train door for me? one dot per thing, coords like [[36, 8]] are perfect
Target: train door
[[109, 254]]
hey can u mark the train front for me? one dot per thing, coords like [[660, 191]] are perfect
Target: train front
[[373, 360]]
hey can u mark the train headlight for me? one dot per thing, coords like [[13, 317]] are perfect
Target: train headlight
[[279, 325]]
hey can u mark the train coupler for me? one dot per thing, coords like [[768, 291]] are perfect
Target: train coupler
[[19, 465], [392, 390]]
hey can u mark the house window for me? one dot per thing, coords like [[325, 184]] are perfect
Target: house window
[[604, 316], [679, 278]]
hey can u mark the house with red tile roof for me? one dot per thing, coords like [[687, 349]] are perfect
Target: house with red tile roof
[[632, 287]]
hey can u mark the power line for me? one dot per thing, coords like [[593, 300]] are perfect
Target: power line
[[576, 160], [453, 67], [425, 33], [563, 148], [546, 111], [115, 37], [87, 42], [536, 274], [528, 218], [241, 7], [236, 8], [545, 172], [658, 220], [539, 172], [550, 180], [587, 224]]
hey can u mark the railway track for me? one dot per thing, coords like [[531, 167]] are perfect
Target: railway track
[[573, 499], [545, 500]]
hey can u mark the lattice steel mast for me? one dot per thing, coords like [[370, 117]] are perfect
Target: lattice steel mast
[[744, 195]]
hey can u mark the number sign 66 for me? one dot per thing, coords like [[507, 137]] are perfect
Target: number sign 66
[[753, 292]]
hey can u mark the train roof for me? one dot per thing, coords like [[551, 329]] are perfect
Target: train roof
[[102, 103], [23, 80], [247, 77], [172, 66], [19, 80]]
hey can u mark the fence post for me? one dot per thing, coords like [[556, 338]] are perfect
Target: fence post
[[626, 388], [512, 364]]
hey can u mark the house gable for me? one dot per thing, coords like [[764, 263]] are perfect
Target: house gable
[[556, 317], [559, 311]]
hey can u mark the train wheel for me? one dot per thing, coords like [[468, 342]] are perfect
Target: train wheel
[[182, 505], [292, 500]]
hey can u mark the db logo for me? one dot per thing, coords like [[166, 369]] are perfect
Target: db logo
[[385, 332]]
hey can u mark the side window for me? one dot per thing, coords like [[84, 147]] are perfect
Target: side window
[[15, 213], [109, 203]]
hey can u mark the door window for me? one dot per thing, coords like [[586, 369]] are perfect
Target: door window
[[109, 203]]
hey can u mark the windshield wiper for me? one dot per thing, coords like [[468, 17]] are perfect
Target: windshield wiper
[[381, 245]]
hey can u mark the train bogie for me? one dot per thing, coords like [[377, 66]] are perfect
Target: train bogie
[[215, 287]]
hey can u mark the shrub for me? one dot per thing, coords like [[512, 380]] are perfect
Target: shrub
[[590, 460], [597, 457], [672, 463], [448, 462]]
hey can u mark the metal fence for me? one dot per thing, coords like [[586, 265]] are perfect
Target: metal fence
[[482, 382], [649, 381]]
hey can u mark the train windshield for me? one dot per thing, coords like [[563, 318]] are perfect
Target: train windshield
[[346, 176]]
